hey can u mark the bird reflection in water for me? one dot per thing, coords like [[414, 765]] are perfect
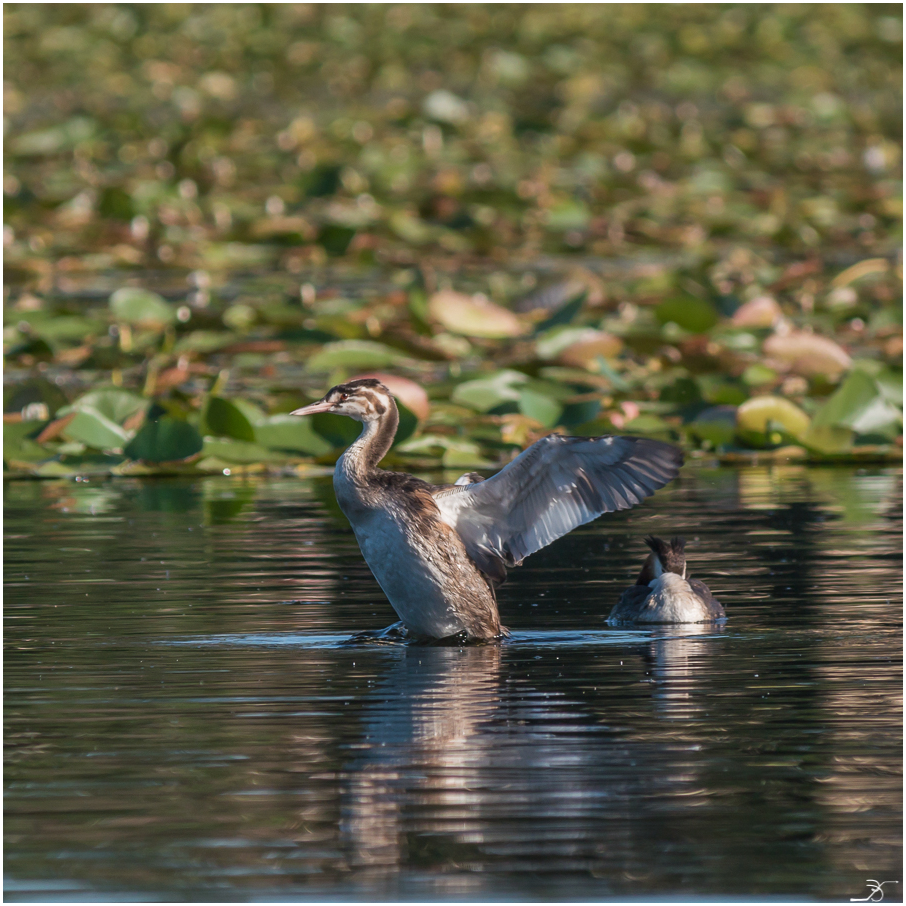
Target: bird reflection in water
[[423, 745]]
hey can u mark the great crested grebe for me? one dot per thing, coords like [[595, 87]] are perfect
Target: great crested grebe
[[663, 594], [439, 552]]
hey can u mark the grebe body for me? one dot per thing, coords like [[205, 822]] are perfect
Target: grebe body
[[663, 593], [440, 552]]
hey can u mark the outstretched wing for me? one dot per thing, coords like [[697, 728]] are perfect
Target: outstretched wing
[[553, 486]]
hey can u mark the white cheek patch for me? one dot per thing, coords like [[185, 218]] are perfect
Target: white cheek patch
[[658, 568]]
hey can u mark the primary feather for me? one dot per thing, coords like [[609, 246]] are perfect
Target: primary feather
[[555, 485]]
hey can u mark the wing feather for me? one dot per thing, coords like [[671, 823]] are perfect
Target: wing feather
[[555, 485]]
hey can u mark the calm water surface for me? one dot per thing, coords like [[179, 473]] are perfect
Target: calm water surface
[[182, 720]]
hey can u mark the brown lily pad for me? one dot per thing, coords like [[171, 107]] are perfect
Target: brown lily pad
[[762, 311], [585, 352], [807, 354], [473, 315]]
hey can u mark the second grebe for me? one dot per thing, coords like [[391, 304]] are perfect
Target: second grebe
[[663, 594], [439, 552]]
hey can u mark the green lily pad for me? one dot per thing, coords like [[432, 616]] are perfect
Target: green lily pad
[[486, 393], [565, 314], [757, 375], [19, 443], [113, 403], [203, 341], [335, 238], [863, 406], [237, 451], [828, 438], [141, 307], [53, 140], [95, 430], [716, 425], [337, 430], [689, 312], [289, 432], [165, 439], [221, 418], [540, 407], [454, 451], [354, 354], [770, 420], [36, 390]]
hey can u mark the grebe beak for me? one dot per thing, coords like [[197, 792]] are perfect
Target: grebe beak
[[313, 408]]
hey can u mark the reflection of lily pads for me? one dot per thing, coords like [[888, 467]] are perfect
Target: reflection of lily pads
[[473, 316], [770, 420]]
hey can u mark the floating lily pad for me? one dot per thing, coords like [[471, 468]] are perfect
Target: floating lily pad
[[484, 394], [566, 313], [354, 354], [338, 430], [141, 307], [221, 418], [716, 425], [762, 311], [19, 441], [35, 391], [95, 430], [237, 451], [689, 312], [770, 420], [289, 432], [473, 316], [540, 407], [863, 406], [807, 354], [111, 402], [165, 439]]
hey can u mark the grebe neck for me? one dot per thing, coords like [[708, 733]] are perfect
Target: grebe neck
[[378, 431]]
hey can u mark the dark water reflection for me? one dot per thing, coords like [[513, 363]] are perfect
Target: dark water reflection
[[184, 722]]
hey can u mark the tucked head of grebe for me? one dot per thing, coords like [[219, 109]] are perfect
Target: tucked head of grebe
[[439, 552], [663, 594]]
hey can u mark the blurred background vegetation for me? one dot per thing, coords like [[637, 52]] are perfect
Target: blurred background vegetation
[[679, 220]]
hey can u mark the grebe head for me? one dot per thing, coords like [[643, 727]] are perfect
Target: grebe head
[[365, 400], [667, 556]]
